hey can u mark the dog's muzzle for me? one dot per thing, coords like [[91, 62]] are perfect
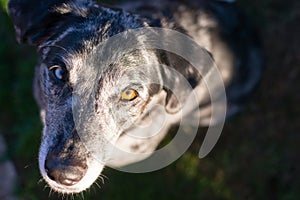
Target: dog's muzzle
[[66, 172], [66, 161]]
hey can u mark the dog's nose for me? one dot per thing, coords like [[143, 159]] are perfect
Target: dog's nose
[[66, 172]]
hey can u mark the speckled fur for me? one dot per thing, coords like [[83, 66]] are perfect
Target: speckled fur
[[68, 32]]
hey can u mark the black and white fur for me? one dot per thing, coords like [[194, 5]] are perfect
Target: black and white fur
[[65, 32]]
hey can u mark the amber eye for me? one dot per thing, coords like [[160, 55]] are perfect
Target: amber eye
[[129, 95]]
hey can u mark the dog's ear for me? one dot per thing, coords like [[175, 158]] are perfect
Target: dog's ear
[[180, 79], [35, 20]]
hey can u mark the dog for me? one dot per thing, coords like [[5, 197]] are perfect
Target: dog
[[66, 34]]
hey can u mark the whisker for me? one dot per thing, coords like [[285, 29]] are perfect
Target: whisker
[[104, 176], [97, 184], [50, 192], [41, 180], [82, 195]]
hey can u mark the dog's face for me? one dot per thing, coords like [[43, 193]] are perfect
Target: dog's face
[[68, 37], [120, 99]]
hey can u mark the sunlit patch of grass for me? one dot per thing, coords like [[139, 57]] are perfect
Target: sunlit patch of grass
[[189, 163], [3, 5]]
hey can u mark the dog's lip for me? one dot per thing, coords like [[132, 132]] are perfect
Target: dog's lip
[[64, 189], [81, 186], [61, 188], [77, 188]]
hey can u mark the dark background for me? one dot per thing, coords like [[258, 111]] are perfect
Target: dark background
[[257, 156]]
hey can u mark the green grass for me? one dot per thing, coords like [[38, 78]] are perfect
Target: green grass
[[257, 156], [3, 4]]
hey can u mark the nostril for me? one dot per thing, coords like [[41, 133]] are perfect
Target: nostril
[[65, 172]]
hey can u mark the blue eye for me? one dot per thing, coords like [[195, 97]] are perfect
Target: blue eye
[[59, 72]]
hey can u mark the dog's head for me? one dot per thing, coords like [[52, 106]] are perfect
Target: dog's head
[[67, 35]]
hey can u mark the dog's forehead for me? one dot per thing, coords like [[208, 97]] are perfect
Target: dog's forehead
[[112, 69], [79, 45], [97, 26], [76, 43]]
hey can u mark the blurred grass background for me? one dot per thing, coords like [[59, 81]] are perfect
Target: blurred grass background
[[257, 156]]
